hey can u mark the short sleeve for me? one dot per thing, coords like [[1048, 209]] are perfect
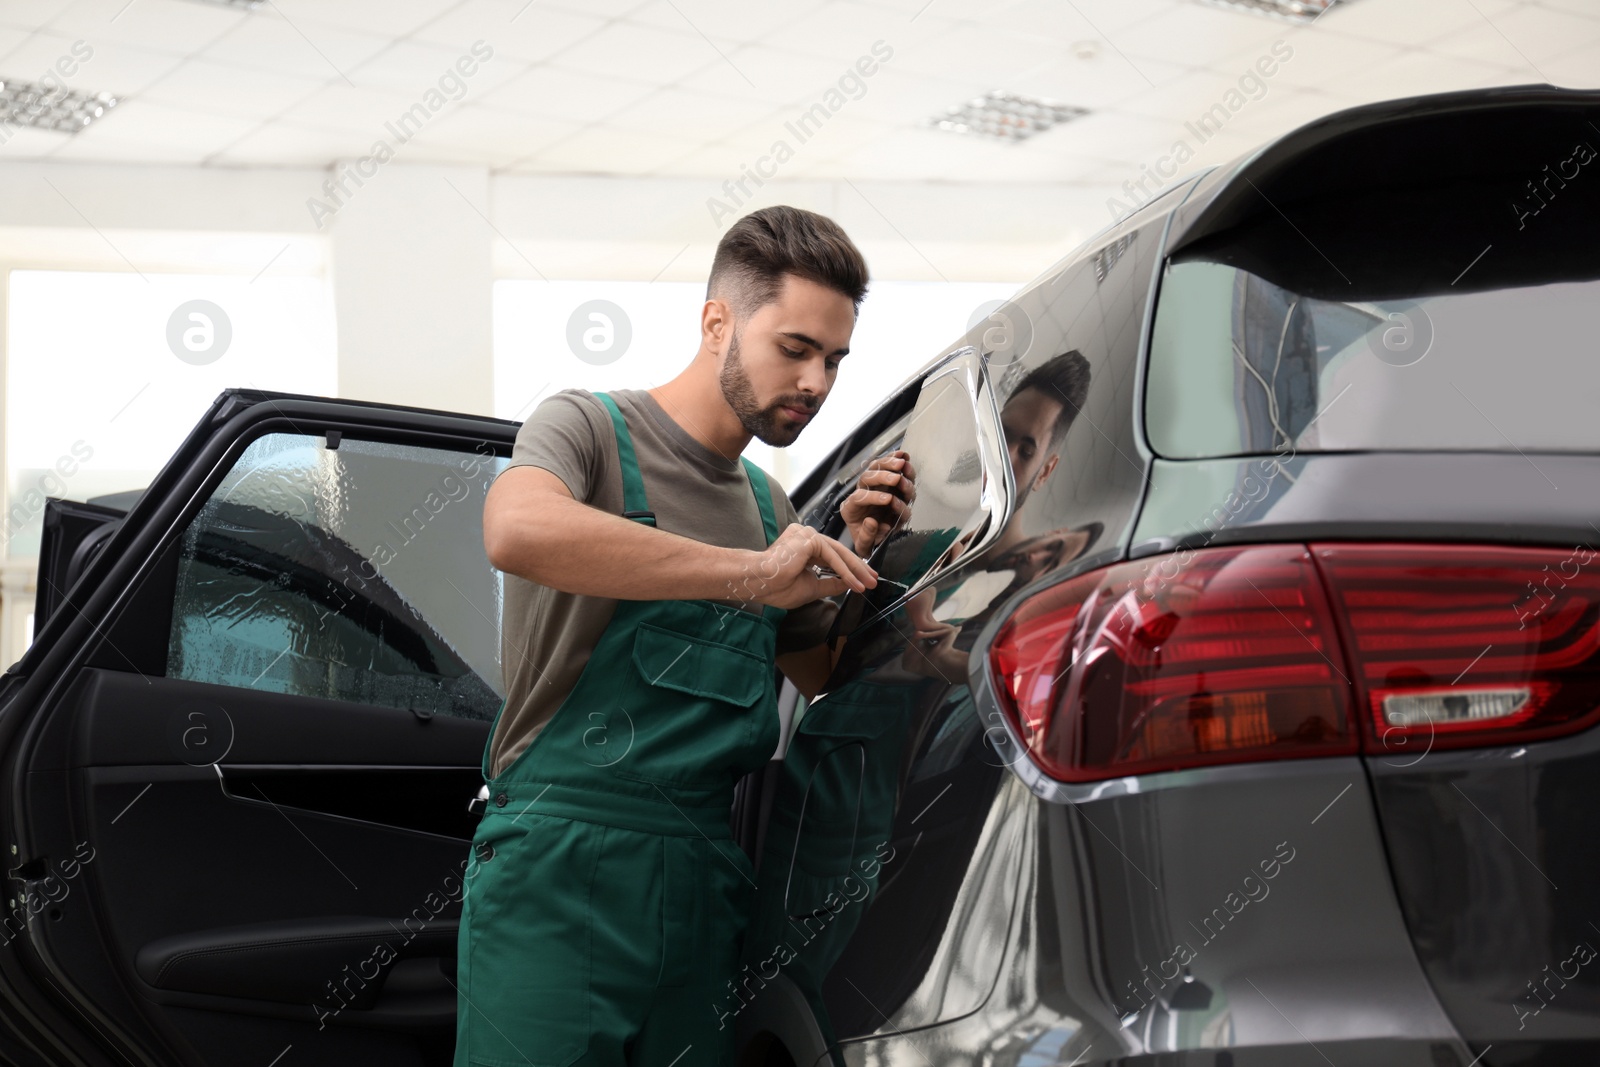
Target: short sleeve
[[560, 437], [806, 626]]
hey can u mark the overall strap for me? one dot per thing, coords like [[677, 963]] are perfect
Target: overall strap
[[769, 521], [634, 503], [763, 491]]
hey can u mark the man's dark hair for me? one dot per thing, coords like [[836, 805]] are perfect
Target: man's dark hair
[[759, 249], [1064, 379]]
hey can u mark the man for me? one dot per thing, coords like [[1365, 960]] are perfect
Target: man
[[652, 581]]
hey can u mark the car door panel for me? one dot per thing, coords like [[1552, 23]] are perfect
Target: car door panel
[[72, 534], [226, 853]]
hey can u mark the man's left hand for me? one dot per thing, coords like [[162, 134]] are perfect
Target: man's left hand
[[881, 500]]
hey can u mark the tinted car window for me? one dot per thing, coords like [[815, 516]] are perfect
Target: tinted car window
[[1242, 366], [356, 573], [942, 442]]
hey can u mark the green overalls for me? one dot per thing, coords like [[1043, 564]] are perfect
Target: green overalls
[[606, 899]]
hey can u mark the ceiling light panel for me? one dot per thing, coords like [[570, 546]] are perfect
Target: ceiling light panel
[[1301, 11], [24, 103], [1005, 116]]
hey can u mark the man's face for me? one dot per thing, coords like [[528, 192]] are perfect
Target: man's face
[[781, 359], [1028, 419]]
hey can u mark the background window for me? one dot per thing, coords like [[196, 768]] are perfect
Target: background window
[[107, 372]]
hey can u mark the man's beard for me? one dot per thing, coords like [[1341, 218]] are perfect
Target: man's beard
[[767, 424]]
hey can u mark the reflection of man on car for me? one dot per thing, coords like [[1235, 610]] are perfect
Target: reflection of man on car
[[829, 845], [1035, 419]]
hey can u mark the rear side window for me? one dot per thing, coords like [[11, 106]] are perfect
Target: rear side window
[[1242, 366], [1426, 281], [356, 573]]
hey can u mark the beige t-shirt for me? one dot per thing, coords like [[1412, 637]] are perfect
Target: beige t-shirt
[[546, 636]]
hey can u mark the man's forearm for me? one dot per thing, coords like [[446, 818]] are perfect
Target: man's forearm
[[579, 549]]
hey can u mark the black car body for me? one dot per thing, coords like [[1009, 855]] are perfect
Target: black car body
[[1257, 730]]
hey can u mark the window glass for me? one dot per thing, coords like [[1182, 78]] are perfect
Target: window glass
[[1240, 365], [942, 442], [356, 573]]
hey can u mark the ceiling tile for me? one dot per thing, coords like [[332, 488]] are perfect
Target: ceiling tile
[[979, 53], [1307, 59], [907, 155], [31, 14], [118, 69], [622, 50], [597, 150], [1193, 94], [10, 38], [895, 97], [529, 33], [500, 135], [1418, 74], [1541, 33], [144, 131], [696, 117], [769, 74], [1096, 83], [1112, 135], [389, 18], [287, 144], [846, 29], [175, 26], [532, 34], [1481, 43], [839, 134], [300, 48], [339, 108], [607, 9], [1082, 19], [724, 20], [1024, 166], [201, 85], [1190, 33], [413, 68], [566, 94], [1399, 22], [1578, 69], [1574, 7]]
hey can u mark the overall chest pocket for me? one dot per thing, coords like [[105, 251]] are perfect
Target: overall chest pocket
[[702, 706]]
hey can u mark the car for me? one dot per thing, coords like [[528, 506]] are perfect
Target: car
[[1228, 696]]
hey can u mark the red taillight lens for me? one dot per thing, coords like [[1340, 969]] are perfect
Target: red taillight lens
[[1235, 654], [1468, 645], [1153, 665]]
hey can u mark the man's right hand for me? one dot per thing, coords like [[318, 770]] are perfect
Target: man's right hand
[[785, 575]]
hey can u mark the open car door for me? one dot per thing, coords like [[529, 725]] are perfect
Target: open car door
[[236, 762]]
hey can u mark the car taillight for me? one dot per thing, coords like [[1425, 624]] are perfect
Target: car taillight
[[1236, 654], [1468, 645], [1150, 666]]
